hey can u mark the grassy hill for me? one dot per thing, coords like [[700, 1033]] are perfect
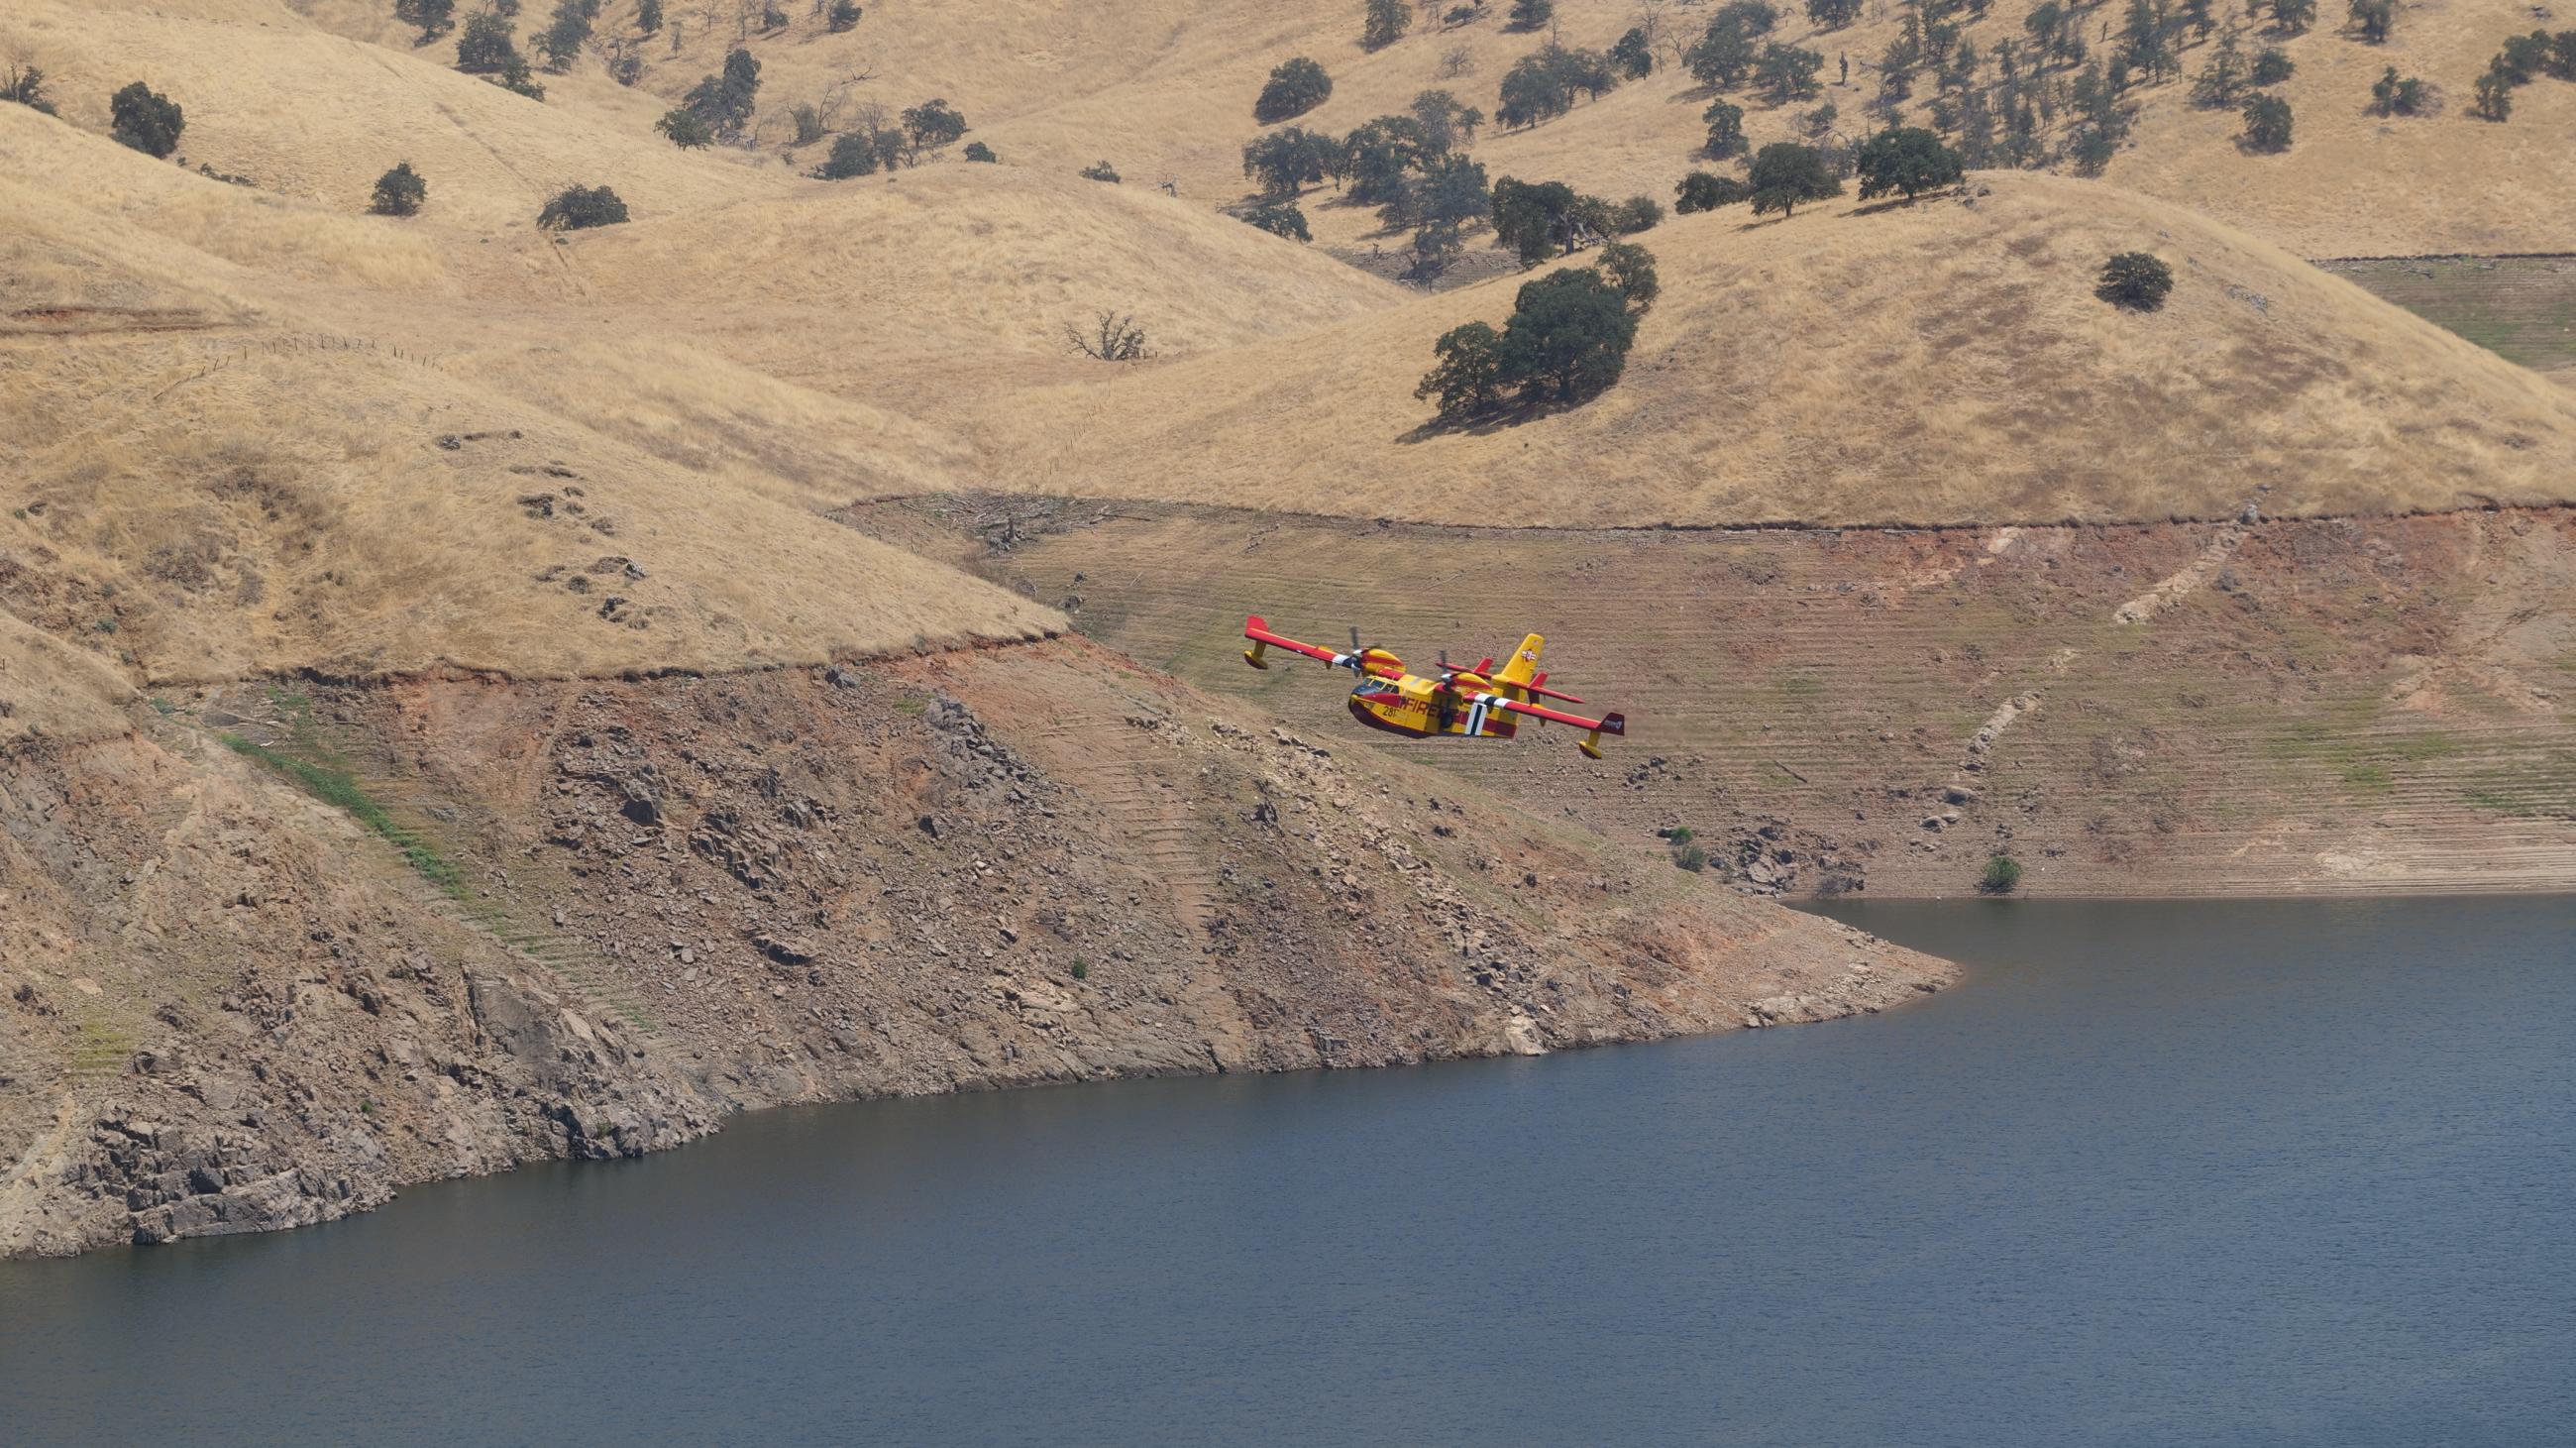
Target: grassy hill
[[377, 427], [1934, 363], [212, 472]]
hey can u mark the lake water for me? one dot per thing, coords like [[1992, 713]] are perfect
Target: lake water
[[2206, 1173]]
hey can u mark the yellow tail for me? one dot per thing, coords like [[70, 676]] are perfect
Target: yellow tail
[[1523, 664]]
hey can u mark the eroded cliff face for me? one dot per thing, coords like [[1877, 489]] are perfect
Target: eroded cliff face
[[282, 950]]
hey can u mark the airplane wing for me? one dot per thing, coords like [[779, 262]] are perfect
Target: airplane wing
[[1257, 629], [1590, 743], [1606, 724]]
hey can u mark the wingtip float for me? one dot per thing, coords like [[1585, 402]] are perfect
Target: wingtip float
[[1482, 702]]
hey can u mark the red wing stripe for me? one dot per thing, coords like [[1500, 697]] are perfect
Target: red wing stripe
[[1611, 725], [1253, 630]]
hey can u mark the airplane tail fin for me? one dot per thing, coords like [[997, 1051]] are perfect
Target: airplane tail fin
[[1524, 662]]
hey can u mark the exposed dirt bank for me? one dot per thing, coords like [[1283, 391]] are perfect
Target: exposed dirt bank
[[2256, 707], [591, 919]]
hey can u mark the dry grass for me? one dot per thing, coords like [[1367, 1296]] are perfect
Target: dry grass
[[1934, 363], [221, 404], [1164, 88], [51, 690], [270, 489]]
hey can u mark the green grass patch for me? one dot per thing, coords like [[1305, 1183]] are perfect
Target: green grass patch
[[2371, 777], [340, 789]]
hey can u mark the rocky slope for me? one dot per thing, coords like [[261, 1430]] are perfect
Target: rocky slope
[[2251, 707], [279, 951]]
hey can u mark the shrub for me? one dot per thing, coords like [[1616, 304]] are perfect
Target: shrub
[[1101, 171], [2002, 876], [1725, 130], [2273, 66], [434, 17], [1785, 173], [2523, 57], [1727, 53], [1383, 23], [1542, 219], [978, 151], [1634, 57], [1112, 337], [809, 124], [564, 36], [1569, 336], [930, 125], [725, 101], [577, 207], [400, 192], [2267, 123], [146, 120], [2390, 96], [1833, 14], [1296, 87], [1531, 14], [1540, 86], [1288, 160], [1281, 218], [2290, 17], [24, 85], [2135, 280], [1081, 971], [687, 129], [1700, 191], [1446, 122], [1630, 268], [1636, 214], [2374, 19], [845, 15], [1787, 73], [1908, 160], [854, 153], [2494, 96], [648, 15], [1690, 857], [1468, 379], [488, 46]]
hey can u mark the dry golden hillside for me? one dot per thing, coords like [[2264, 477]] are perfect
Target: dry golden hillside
[[204, 481], [1941, 362], [50, 690], [1164, 89], [317, 117]]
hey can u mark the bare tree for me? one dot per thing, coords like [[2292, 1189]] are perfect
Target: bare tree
[[1458, 60], [836, 94], [1113, 337]]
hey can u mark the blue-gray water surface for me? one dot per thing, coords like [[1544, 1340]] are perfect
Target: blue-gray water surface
[[2210, 1173]]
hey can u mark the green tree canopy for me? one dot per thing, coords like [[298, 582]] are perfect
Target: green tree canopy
[[399, 192], [1700, 191], [1787, 73], [576, 207], [1785, 174], [434, 17], [725, 101], [1296, 87], [146, 120], [2267, 122], [1631, 268], [1542, 219], [1281, 218], [2135, 280], [1287, 160], [1569, 335], [1908, 160], [1383, 23]]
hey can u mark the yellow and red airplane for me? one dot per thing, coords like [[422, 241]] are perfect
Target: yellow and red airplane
[[1479, 703]]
